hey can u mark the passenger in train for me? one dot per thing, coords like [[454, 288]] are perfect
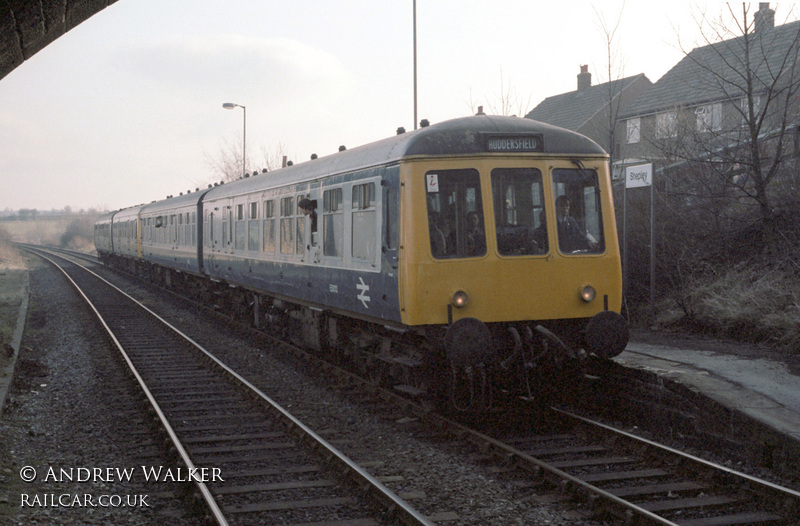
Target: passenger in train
[[570, 235], [308, 208], [476, 239], [438, 241]]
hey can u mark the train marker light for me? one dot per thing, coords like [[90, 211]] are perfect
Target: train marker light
[[588, 293], [460, 299]]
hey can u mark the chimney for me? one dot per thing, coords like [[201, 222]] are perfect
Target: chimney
[[584, 78], [764, 17]]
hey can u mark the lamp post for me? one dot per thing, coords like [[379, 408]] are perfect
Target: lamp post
[[230, 106]]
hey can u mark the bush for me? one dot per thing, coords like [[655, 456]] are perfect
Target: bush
[[745, 303], [79, 234]]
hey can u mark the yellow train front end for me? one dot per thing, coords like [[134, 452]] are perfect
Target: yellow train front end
[[513, 257]]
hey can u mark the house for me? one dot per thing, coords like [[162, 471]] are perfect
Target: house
[[591, 110], [717, 98]]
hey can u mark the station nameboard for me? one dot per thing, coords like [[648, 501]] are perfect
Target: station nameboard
[[639, 175], [515, 143]]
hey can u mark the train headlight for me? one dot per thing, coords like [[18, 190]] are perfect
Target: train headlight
[[460, 299], [588, 293]]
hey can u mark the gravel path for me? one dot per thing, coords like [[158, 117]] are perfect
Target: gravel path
[[70, 408]]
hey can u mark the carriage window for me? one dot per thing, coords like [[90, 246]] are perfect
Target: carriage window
[[519, 216], [365, 227], [301, 227], [455, 214], [253, 228], [239, 228], [269, 226], [194, 229], [287, 225], [332, 223], [580, 223]]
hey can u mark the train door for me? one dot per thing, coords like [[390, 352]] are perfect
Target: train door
[[308, 237], [213, 239]]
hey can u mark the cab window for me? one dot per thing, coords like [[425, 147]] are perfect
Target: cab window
[[578, 211], [455, 214], [519, 215]]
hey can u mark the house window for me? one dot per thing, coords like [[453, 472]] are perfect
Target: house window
[[666, 125], [746, 110], [634, 125], [709, 117]]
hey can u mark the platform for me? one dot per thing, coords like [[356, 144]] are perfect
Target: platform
[[763, 389]]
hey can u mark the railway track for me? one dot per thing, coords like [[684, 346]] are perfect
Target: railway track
[[249, 459], [611, 475], [642, 482]]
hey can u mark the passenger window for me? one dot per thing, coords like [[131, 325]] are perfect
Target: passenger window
[[287, 225], [455, 214], [240, 228], [519, 214], [252, 228], [301, 228], [269, 226], [332, 223], [578, 212], [365, 228]]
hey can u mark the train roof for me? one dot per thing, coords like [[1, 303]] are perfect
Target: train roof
[[129, 213], [105, 218], [171, 203], [474, 135]]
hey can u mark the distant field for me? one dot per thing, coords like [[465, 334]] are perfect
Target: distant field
[[39, 231], [73, 231]]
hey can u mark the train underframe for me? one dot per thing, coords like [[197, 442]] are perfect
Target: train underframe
[[467, 366]]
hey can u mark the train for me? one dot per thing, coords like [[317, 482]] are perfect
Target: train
[[465, 261]]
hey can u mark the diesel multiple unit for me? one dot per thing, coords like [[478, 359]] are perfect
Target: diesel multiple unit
[[465, 259]]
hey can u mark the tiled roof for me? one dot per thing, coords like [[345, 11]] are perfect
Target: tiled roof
[[572, 110], [715, 72]]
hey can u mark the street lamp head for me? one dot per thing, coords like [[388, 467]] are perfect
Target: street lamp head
[[228, 105]]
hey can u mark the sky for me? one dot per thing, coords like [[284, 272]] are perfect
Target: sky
[[126, 108]]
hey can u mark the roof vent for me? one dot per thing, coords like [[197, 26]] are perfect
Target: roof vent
[[480, 111], [424, 123], [342, 148], [313, 156], [401, 130]]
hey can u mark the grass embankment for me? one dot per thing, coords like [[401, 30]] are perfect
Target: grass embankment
[[747, 303], [12, 290]]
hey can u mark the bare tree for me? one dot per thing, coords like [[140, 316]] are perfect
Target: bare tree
[[614, 71], [226, 165], [507, 102], [272, 159], [735, 148]]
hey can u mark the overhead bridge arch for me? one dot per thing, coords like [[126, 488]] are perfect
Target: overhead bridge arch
[[27, 26]]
